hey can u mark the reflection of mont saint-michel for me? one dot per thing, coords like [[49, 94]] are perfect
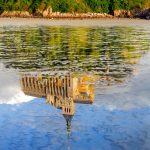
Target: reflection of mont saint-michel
[[59, 91]]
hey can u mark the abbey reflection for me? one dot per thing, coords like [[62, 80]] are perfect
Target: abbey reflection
[[61, 92]]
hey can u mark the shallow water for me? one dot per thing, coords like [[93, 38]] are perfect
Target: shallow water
[[65, 87]]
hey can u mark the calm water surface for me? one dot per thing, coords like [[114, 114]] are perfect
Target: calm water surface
[[74, 88]]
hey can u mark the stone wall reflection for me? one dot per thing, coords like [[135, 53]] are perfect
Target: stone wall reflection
[[60, 91]]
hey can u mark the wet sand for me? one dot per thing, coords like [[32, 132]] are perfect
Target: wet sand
[[74, 22]]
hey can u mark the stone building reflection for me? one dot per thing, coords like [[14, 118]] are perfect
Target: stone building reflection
[[61, 92]]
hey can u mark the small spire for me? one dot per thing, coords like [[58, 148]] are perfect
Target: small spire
[[68, 119], [69, 128]]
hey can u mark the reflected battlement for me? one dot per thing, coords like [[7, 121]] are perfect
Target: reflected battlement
[[61, 92], [58, 87]]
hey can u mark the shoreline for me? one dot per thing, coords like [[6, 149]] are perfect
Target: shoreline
[[143, 14], [101, 16], [109, 17], [58, 15]]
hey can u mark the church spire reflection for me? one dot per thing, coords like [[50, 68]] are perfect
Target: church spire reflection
[[60, 91]]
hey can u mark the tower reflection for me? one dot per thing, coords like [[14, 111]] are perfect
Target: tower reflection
[[60, 91]]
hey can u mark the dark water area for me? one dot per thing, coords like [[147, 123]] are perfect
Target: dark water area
[[74, 88]]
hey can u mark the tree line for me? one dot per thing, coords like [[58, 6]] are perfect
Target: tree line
[[98, 6]]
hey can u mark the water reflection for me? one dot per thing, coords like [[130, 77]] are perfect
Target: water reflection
[[67, 66], [61, 92], [73, 49]]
